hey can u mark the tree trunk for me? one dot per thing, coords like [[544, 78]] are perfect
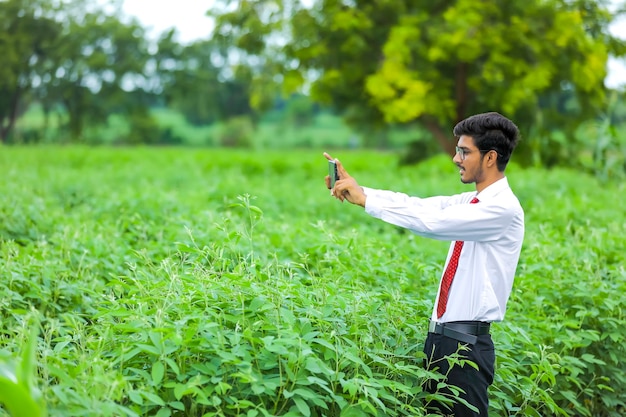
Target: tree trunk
[[6, 129], [446, 141], [460, 91]]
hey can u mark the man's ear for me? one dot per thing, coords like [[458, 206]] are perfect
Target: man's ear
[[492, 158]]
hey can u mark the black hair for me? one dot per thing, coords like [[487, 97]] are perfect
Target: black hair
[[491, 131]]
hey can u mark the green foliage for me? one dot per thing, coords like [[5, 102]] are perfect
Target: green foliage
[[18, 393], [144, 129], [194, 84], [236, 132], [82, 63], [597, 146], [73, 59], [604, 145], [391, 69], [576, 279], [300, 111], [178, 282], [437, 62]]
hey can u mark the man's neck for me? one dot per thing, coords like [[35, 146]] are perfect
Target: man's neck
[[480, 186]]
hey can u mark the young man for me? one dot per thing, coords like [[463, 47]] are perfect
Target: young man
[[486, 228]]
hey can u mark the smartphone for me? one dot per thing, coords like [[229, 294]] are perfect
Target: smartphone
[[332, 173]]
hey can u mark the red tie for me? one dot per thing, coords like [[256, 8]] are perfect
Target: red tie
[[448, 276]]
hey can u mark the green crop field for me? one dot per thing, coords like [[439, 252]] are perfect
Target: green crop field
[[205, 282]]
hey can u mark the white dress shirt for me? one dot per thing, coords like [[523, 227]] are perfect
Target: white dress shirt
[[492, 229]]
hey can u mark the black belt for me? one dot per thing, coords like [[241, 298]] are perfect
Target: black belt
[[463, 331]]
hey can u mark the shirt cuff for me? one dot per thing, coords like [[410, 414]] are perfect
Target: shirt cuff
[[373, 204]]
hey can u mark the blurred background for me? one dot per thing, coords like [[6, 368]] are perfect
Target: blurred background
[[278, 74]]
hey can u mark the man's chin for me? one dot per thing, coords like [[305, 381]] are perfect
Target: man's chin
[[466, 180]]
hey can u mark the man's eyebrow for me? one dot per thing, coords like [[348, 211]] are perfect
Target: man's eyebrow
[[465, 148]]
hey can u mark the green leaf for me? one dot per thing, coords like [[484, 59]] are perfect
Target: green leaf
[[18, 393], [164, 412], [158, 370], [177, 405], [153, 398], [303, 407], [353, 411], [173, 366], [28, 362], [135, 397], [17, 399]]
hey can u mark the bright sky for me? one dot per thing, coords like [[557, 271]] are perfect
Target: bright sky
[[189, 18]]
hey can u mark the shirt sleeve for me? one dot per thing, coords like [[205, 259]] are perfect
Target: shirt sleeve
[[392, 197], [442, 218]]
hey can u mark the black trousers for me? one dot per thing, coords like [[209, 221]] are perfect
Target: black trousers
[[474, 382]]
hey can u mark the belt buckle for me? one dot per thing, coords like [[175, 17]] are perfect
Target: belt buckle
[[432, 326]]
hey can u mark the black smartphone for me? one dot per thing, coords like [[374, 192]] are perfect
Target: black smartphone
[[332, 173]]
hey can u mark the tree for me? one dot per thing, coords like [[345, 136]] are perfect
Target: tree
[[26, 35], [198, 80], [433, 62], [72, 56], [96, 68]]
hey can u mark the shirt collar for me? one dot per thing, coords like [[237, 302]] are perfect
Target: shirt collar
[[493, 190]]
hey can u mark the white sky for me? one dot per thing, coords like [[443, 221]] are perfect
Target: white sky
[[189, 18]]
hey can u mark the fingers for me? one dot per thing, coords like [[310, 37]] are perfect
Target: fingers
[[327, 156], [339, 195], [339, 191], [341, 170], [336, 192]]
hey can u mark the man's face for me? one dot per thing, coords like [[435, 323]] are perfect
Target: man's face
[[469, 160]]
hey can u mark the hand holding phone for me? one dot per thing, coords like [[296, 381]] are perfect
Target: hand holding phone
[[349, 189], [332, 173]]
